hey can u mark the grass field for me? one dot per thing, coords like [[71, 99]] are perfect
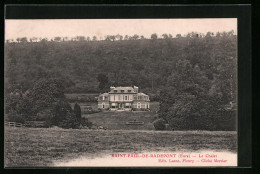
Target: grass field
[[117, 120], [114, 120], [43, 147]]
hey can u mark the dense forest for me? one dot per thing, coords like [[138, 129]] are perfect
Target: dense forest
[[146, 63], [184, 73]]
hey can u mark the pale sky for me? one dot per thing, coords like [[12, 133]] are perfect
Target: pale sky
[[102, 27]]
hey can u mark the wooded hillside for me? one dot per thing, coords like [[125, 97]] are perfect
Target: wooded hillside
[[193, 77], [146, 63]]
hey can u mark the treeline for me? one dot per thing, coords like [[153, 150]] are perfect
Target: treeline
[[117, 37]]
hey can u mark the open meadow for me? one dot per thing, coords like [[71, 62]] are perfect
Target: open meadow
[[46, 147]]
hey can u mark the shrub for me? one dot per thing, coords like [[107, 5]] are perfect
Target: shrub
[[85, 123], [77, 111], [14, 117], [159, 124], [70, 122], [90, 110], [60, 110]]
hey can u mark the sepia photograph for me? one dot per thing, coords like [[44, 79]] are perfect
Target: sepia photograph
[[120, 92]]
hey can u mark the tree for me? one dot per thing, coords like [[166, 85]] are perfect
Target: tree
[[46, 96], [103, 82], [60, 110], [23, 40], [80, 38], [45, 101], [44, 40], [178, 35], [112, 38], [135, 37], [65, 38], [185, 88], [57, 39], [13, 116], [47, 116], [94, 38], [70, 121], [209, 34], [165, 36], [108, 38], [14, 106], [45, 92], [154, 36], [77, 111], [18, 39], [119, 37]]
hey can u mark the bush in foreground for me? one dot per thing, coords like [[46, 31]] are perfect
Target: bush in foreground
[[70, 121], [159, 124]]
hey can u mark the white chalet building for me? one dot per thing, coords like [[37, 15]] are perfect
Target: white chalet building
[[123, 98]]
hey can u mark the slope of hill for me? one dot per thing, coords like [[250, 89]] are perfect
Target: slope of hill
[[145, 63], [117, 120]]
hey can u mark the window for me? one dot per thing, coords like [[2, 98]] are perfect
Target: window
[[138, 105], [122, 91], [129, 90], [113, 105], [115, 90], [125, 97], [128, 105]]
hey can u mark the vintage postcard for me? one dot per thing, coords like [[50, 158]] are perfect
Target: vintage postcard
[[121, 92]]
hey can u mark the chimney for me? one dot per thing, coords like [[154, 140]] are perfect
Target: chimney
[[112, 88], [136, 89]]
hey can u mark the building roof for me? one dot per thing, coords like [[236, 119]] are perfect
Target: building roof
[[123, 88], [140, 93]]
